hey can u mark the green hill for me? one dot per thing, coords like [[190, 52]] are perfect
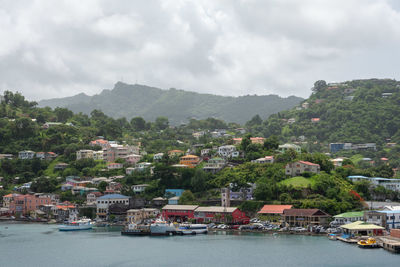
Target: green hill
[[359, 111], [179, 106]]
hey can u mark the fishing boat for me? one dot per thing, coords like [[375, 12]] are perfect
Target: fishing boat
[[193, 229], [162, 228], [369, 243], [138, 230], [82, 224]]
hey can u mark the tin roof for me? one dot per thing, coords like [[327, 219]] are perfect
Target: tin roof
[[216, 209], [274, 209], [180, 207]]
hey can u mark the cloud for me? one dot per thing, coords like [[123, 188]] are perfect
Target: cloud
[[52, 49]]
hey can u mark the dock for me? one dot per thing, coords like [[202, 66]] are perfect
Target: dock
[[347, 240], [391, 244]]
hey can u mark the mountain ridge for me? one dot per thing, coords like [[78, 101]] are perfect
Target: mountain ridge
[[178, 105]]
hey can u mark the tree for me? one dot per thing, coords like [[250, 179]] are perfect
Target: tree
[[256, 120], [161, 123], [63, 114], [187, 198], [102, 186], [198, 181], [319, 85], [138, 124], [271, 143]]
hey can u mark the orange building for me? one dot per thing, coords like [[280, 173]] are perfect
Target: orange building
[[190, 160]]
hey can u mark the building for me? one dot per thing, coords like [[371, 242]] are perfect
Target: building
[[206, 152], [388, 183], [347, 217], [225, 197], [228, 151], [284, 148], [220, 215], [91, 198], [392, 220], [273, 212], [190, 160], [375, 217], [114, 166], [335, 147], [173, 200], [104, 202], [266, 159], [315, 120], [24, 204], [115, 151], [214, 165], [61, 166], [139, 188], [360, 228], [158, 156], [89, 154], [26, 154], [243, 193], [140, 215], [100, 142], [299, 167], [175, 153], [7, 199], [178, 213], [46, 155], [305, 217], [133, 158], [174, 192], [6, 156]]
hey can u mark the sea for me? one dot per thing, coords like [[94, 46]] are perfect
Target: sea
[[23, 244]]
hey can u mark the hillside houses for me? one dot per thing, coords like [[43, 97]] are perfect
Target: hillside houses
[[228, 151], [299, 167]]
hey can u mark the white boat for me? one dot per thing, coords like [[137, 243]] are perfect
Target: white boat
[[82, 224], [192, 229], [162, 228]]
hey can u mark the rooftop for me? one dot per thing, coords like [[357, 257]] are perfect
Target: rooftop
[[351, 214], [274, 209], [180, 207], [113, 196], [216, 209], [359, 225]]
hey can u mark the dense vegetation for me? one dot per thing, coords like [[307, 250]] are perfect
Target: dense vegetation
[[179, 106]]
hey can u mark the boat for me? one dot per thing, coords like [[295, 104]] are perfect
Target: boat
[[193, 229], [369, 243], [162, 228], [138, 230], [332, 237], [82, 224]]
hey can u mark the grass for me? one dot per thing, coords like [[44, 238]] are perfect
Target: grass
[[356, 158], [297, 182]]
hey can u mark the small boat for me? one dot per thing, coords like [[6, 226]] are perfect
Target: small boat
[[193, 229], [332, 237], [82, 224], [138, 230], [369, 243]]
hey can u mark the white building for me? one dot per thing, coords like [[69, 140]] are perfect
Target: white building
[[158, 156], [89, 154], [27, 154], [139, 188], [228, 151], [104, 202], [266, 159]]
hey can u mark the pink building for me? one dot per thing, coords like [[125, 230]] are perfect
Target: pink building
[[133, 158], [24, 204]]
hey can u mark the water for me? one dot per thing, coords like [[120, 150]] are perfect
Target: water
[[43, 245]]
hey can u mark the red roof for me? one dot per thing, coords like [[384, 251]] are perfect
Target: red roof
[[308, 163], [274, 209], [384, 159], [304, 212]]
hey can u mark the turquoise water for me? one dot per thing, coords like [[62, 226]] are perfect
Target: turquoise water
[[44, 245]]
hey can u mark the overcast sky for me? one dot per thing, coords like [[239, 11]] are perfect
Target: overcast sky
[[61, 48]]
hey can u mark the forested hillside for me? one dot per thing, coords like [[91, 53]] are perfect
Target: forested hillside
[[179, 106], [359, 111]]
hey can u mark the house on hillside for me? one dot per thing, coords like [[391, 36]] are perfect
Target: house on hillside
[[190, 160], [299, 167], [26, 154], [214, 165], [228, 151], [284, 148]]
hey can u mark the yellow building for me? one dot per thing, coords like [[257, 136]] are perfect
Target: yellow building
[[175, 153], [190, 160]]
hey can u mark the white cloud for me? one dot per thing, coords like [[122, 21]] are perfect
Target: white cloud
[[53, 49]]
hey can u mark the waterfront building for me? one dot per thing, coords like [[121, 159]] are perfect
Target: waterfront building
[[139, 215], [91, 198], [360, 228], [273, 212], [104, 203], [7, 199], [220, 215], [299, 167], [179, 213], [347, 217], [305, 217], [24, 204], [392, 219]]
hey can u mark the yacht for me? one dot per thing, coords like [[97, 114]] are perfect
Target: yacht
[[162, 228], [192, 229], [82, 224]]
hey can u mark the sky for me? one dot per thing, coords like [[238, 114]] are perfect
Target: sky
[[228, 47]]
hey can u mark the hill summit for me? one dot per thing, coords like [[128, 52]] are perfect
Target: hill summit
[[129, 101]]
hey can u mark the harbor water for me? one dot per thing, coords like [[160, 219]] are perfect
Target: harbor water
[[43, 245]]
